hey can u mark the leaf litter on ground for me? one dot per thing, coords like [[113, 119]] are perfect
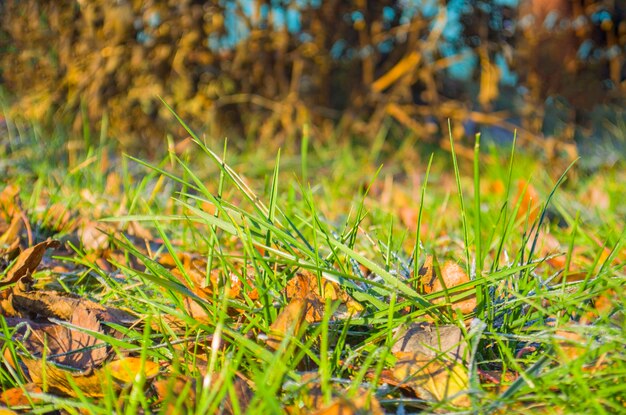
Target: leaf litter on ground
[[269, 306]]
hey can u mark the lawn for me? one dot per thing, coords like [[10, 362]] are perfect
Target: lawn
[[228, 277]]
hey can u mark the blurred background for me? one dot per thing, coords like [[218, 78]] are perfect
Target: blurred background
[[271, 71]]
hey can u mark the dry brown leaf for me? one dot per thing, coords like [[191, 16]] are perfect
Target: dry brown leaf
[[452, 274], [113, 185], [91, 383], [66, 346], [430, 340], [63, 306], [288, 322], [28, 261], [305, 285], [596, 195], [6, 304], [196, 280], [58, 218], [243, 394], [312, 400], [547, 246]]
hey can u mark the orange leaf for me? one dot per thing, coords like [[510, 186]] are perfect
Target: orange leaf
[[452, 274], [571, 346], [363, 403], [19, 395]]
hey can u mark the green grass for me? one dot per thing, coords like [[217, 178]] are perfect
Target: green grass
[[341, 216]]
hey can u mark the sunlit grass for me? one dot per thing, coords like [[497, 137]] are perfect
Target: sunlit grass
[[340, 216]]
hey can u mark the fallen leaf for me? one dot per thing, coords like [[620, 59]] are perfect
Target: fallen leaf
[[67, 346], [311, 399], [243, 395], [452, 274], [28, 261], [434, 379], [58, 218], [288, 322], [596, 195], [63, 305], [430, 361], [91, 383], [19, 395], [56, 380], [128, 368], [171, 389], [430, 340], [219, 282], [306, 284], [361, 404]]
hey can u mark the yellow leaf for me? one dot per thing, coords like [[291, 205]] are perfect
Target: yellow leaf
[[128, 368], [53, 379], [434, 379]]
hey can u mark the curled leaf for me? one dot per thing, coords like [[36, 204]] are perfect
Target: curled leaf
[[28, 261]]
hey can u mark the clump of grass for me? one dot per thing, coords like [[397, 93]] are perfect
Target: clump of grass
[[267, 237]]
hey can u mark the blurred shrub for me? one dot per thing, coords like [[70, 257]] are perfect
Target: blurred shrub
[[266, 68], [574, 50]]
